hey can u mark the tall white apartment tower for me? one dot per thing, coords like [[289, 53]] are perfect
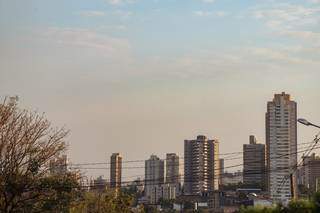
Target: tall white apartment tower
[[281, 143]]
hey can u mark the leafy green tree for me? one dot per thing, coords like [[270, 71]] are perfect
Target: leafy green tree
[[296, 206], [107, 202], [60, 192], [316, 201], [260, 209], [301, 206]]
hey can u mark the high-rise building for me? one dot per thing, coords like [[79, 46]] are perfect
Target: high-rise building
[[281, 143], [172, 169], [310, 172], [201, 165], [115, 171], [221, 173], [254, 163], [154, 176]]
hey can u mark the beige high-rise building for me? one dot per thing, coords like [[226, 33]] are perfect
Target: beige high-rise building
[[172, 170], [221, 173], [310, 172], [281, 144], [254, 164], [115, 170], [201, 165], [154, 178]]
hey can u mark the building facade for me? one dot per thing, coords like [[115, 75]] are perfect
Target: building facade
[[221, 173], [154, 176], [172, 170], [254, 164], [115, 171], [232, 178], [310, 172], [281, 147], [163, 191], [201, 165]]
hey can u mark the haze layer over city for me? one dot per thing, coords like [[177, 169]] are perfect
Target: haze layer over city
[[140, 77]]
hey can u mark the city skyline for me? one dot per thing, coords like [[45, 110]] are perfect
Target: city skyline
[[140, 77]]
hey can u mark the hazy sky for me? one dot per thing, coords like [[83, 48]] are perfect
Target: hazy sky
[[140, 76]]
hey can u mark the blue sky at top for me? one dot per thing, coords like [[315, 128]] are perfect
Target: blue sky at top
[[159, 71]]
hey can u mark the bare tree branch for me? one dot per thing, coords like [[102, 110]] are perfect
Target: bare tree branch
[[27, 144]]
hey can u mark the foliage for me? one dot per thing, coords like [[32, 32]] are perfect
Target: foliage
[[301, 206], [61, 192], [258, 209], [316, 201], [27, 144], [304, 191], [133, 191], [109, 202], [298, 206]]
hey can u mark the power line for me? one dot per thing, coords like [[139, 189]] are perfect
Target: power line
[[233, 166], [307, 152], [146, 182], [142, 161], [180, 163]]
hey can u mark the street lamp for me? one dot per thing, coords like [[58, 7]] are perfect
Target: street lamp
[[307, 123]]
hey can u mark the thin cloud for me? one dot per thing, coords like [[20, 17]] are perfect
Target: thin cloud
[[83, 38], [120, 2], [208, 1], [123, 14], [92, 13], [203, 13], [312, 37], [291, 21], [287, 16], [314, 1], [221, 13]]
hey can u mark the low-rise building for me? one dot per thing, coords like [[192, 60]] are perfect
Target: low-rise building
[[232, 178], [164, 191]]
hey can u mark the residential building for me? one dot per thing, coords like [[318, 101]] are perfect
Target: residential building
[[163, 191], [172, 170], [98, 185], [254, 164], [154, 176], [201, 165], [221, 173], [310, 172], [232, 178], [281, 147], [115, 170]]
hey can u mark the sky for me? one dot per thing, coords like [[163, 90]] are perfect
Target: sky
[[140, 76]]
